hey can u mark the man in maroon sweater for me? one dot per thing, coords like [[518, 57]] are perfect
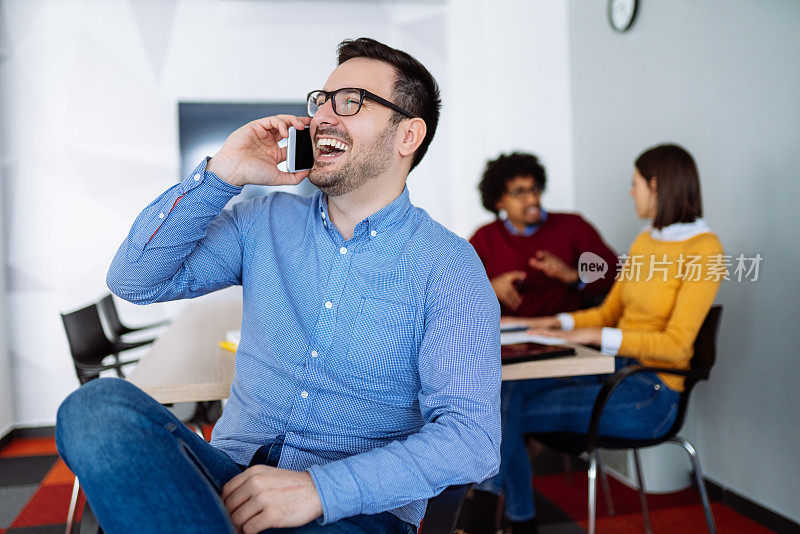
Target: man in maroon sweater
[[530, 255]]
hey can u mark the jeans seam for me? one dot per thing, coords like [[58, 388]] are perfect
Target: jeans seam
[[673, 408]]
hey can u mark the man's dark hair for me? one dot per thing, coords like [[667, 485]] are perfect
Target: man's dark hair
[[415, 90], [505, 168], [678, 197]]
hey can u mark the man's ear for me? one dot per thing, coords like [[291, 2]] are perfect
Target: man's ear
[[413, 133]]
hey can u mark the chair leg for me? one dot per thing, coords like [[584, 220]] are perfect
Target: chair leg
[[73, 501], [604, 485], [698, 478], [197, 429], [648, 528], [592, 491]]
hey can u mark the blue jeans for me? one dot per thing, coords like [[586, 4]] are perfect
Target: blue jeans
[[641, 407], [143, 470]]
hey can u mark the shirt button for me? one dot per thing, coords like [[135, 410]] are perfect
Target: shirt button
[[343, 250], [658, 386], [373, 233], [304, 394], [161, 215], [329, 305], [196, 177], [323, 214], [314, 354]]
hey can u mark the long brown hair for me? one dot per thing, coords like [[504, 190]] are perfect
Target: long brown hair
[[678, 197]]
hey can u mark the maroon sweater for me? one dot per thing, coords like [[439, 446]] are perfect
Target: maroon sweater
[[563, 234]]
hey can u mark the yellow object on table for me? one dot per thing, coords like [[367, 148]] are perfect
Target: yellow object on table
[[229, 346]]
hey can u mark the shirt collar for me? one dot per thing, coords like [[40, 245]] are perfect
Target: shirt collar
[[679, 231], [377, 223], [529, 230]]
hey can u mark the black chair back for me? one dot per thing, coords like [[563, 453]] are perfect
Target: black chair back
[[87, 339], [705, 344], [705, 354], [112, 317]]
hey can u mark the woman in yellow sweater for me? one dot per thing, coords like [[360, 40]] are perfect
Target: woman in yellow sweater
[[652, 314]]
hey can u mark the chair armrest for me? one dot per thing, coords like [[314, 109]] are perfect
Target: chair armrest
[[616, 379], [127, 345]]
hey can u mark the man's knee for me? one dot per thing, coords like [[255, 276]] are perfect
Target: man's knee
[[86, 414]]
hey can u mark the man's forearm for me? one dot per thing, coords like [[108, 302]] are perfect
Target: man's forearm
[[164, 234], [449, 451]]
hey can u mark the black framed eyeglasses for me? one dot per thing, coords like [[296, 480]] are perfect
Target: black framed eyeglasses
[[347, 101]]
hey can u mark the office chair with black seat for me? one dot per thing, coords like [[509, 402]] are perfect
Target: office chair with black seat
[[572, 443], [89, 344], [114, 323]]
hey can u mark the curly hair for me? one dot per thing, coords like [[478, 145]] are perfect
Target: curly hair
[[502, 170]]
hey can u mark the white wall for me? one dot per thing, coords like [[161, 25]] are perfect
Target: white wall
[[90, 90], [509, 90], [6, 391], [722, 79]]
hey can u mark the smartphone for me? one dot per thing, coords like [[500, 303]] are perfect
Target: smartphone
[[299, 151]]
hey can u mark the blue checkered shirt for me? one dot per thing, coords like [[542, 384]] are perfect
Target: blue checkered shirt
[[377, 358]]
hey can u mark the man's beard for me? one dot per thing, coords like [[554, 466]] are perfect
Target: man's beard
[[373, 159]]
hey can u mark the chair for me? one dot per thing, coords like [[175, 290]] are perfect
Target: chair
[[442, 511], [572, 443], [89, 344], [118, 329]]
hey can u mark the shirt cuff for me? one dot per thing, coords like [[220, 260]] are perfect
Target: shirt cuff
[[201, 176], [611, 341], [338, 491], [566, 320]]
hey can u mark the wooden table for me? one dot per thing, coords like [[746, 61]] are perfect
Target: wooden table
[[586, 361], [186, 363]]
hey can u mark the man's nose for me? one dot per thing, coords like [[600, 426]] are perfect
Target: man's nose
[[325, 114]]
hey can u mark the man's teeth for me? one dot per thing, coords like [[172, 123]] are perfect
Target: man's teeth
[[333, 143]]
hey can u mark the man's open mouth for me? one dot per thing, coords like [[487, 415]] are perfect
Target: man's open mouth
[[330, 148]]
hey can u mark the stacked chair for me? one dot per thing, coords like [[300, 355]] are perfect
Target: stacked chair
[[90, 345]]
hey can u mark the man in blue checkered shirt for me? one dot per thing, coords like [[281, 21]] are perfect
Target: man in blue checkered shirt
[[368, 373]]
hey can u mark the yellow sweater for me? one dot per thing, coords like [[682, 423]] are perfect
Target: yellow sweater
[[660, 308]]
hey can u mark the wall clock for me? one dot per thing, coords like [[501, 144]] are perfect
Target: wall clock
[[621, 14]]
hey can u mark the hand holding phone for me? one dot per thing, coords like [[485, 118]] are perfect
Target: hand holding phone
[[251, 154], [299, 150]]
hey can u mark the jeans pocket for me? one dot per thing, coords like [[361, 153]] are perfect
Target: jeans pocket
[[649, 388]]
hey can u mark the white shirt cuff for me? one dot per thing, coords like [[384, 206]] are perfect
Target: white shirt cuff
[[566, 320], [611, 340]]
